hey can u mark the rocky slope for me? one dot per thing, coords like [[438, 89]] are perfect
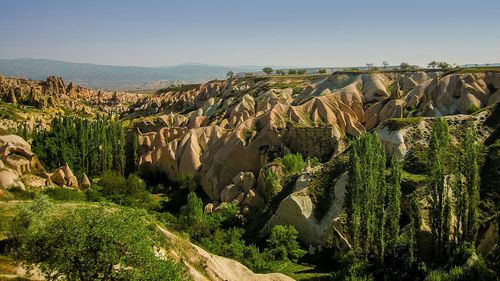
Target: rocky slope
[[214, 131]]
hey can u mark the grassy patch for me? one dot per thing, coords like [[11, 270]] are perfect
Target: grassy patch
[[298, 271], [410, 182], [395, 124], [65, 194], [296, 89], [179, 88]]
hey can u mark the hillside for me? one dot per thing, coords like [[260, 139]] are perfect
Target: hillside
[[230, 163]]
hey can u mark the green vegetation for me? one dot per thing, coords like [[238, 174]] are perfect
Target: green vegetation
[[440, 211], [283, 245], [472, 109], [280, 72], [90, 147], [130, 191], [396, 124], [293, 164], [222, 233], [366, 197], [273, 183], [179, 88], [248, 133], [374, 216], [296, 88], [90, 243], [267, 70], [321, 185]]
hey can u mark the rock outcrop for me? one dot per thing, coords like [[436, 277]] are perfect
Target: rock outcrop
[[19, 167]]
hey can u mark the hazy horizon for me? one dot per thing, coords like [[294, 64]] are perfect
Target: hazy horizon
[[280, 33]]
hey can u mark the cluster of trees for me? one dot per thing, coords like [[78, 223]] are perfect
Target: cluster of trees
[[453, 175], [371, 65], [373, 200], [440, 64], [269, 70], [221, 233], [90, 243], [87, 146]]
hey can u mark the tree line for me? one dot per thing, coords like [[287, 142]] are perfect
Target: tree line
[[87, 146], [373, 199]]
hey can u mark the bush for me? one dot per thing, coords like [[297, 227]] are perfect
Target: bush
[[477, 271], [93, 194], [227, 243], [65, 194], [130, 191], [86, 243], [273, 183], [472, 109], [293, 164], [282, 244]]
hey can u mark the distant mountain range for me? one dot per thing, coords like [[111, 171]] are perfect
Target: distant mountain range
[[115, 77]]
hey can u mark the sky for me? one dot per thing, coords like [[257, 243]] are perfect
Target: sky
[[305, 33]]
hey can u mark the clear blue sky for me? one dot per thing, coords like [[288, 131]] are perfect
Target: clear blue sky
[[262, 32]]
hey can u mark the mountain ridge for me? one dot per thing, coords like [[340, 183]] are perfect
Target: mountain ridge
[[112, 76]]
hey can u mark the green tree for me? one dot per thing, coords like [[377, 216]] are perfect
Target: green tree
[[438, 156], [366, 194], [322, 71], [394, 205], [230, 74], [293, 163], [131, 153], [301, 71], [443, 65], [92, 243], [404, 66], [292, 71], [267, 70], [280, 72], [194, 209], [282, 244], [415, 223], [353, 208], [471, 175]]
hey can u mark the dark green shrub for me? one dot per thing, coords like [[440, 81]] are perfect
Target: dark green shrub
[[65, 194], [282, 244]]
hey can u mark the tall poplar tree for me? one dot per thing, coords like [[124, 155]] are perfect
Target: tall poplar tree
[[471, 175], [439, 208], [394, 205], [366, 194]]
